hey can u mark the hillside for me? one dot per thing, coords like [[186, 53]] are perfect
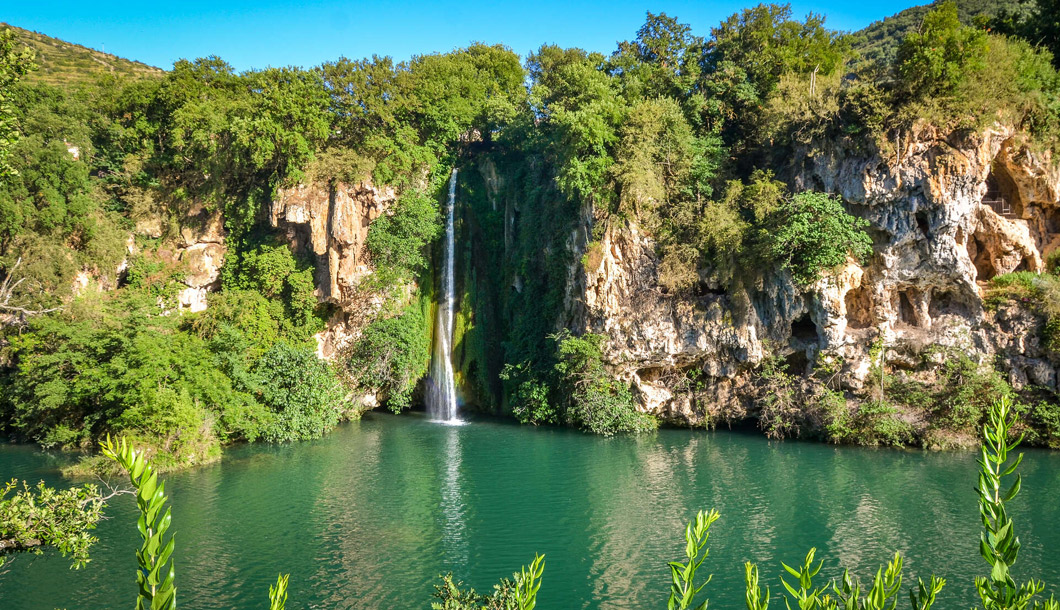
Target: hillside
[[880, 40], [63, 63]]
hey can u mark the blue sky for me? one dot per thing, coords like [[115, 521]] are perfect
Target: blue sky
[[269, 33]]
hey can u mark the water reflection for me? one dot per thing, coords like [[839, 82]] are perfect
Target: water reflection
[[369, 516], [453, 518]]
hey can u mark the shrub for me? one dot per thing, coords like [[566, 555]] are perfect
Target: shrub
[[530, 400], [811, 232], [391, 356], [77, 378], [302, 390], [247, 313], [879, 423], [179, 430], [1040, 291], [1052, 262], [1044, 419], [781, 414], [31, 520], [273, 271], [837, 419], [396, 240], [935, 59], [594, 400]]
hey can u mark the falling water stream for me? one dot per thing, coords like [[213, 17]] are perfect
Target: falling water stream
[[441, 393]]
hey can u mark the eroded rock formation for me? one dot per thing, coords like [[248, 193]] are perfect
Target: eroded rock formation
[[202, 251], [332, 223], [939, 237]]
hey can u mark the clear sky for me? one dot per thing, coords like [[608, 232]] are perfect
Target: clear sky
[[270, 33]]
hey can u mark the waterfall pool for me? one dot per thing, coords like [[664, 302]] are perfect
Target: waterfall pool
[[370, 515]]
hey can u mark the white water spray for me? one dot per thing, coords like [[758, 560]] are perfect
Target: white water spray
[[441, 394]]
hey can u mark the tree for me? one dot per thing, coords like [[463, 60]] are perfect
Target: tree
[[750, 51], [1046, 27], [1037, 21], [396, 240], [581, 113], [301, 390], [391, 356], [14, 64], [935, 59], [811, 232], [594, 400], [16, 315], [33, 520], [664, 59]]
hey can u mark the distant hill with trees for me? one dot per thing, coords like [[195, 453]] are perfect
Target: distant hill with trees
[[879, 41], [65, 64]]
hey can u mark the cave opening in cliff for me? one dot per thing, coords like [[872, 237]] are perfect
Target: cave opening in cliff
[[906, 311], [923, 224], [858, 301], [804, 329], [980, 255], [652, 374], [796, 363], [1052, 220], [948, 303], [1002, 195]]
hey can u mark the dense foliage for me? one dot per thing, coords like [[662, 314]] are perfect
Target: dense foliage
[[392, 354], [579, 391], [396, 240], [32, 520], [691, 140]]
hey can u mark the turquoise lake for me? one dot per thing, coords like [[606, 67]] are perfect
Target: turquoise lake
[[369, 516]]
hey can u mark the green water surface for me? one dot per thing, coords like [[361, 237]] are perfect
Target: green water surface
[[370, 515]]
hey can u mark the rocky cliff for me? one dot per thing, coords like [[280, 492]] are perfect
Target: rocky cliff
[[947, 212], [332, 223]]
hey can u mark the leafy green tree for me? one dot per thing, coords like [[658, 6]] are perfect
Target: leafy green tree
[[659, 160], [811, 232], [401, 118], [663, 60], [14, 64], [32, 520], [594, 400], [1046, 27], [391, 356], [581, 114], [750, 51], [301, 390], [1035, 21], [397, 240], [937, 58], [530, 400], [273, 271], [124, 368]]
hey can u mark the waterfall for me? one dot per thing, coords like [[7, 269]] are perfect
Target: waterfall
[[441, 394]]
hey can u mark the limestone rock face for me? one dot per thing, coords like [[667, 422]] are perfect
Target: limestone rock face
[[332, 223], [936, 244], [202, 250]]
